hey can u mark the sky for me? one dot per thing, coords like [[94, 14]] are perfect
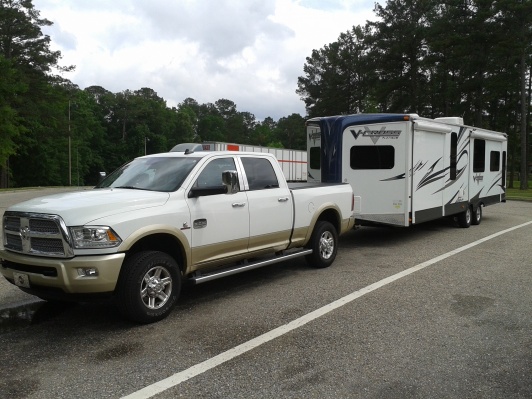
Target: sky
[[248, 51]]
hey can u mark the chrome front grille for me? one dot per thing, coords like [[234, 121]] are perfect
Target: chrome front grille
[[11, 223], [44, 226], [36, 234]]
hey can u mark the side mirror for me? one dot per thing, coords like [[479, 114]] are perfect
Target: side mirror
[[230, 180]]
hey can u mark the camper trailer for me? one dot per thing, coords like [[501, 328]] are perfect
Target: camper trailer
[[405, 169]]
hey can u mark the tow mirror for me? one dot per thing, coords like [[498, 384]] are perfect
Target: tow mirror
[[230, 180]]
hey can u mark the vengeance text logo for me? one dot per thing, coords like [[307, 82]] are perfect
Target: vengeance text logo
[[375, 135], [314, 136]]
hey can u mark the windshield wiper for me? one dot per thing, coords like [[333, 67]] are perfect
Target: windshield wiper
[[133, 188]]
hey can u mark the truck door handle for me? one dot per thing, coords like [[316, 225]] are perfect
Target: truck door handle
[[284, 199], [239, 204]]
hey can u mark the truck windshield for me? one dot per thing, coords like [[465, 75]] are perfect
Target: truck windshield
[[154, 174]]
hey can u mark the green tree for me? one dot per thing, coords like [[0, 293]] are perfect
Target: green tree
[[33, 102], [290, 131], [263, 132], [336, 77], [10, 125], [515, 17], [398, 53], [186, 126]]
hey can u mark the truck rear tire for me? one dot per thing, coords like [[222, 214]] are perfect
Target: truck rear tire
[[149, 286], [324, 245], [464, 219]]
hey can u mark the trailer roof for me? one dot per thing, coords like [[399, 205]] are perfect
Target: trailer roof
[[340, 122]]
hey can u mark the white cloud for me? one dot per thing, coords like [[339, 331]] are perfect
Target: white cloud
[[249, 52]]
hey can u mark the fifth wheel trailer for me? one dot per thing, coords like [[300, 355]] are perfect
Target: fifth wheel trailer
[[405, 169], [293, 162]]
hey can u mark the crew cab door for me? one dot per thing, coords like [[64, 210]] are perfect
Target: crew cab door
[[270, 205], [220, 222]]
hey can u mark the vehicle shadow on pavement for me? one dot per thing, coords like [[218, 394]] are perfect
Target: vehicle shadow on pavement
[[94, 315], [77, 315], [49, 310]]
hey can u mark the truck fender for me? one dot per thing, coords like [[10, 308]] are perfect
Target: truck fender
[[142, 235], [327, 211]]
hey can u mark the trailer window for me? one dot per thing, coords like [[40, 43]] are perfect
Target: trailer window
[[495, 160], [452, 162], [372, 157], [479, 155], [260, 173], [314, 158], [504, 168]]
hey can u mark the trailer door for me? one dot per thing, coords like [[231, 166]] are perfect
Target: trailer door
[[430, 170], [487, 175], [313, 153]]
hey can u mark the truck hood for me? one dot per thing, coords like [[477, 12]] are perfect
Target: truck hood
[[79, 208]]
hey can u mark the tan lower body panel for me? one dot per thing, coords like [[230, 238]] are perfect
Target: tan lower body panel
[[68, 278], [211, 256]]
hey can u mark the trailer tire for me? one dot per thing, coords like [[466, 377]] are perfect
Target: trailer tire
[[477, 215], [149, 286], [464, 219], [324, 245]]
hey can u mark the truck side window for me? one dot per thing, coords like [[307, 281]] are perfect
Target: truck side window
[[260, 173], [211, 176], [372, 157], [479, 155]]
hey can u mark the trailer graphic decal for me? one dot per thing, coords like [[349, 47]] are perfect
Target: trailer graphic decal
[[498, 179], [398, 177], [452, 199], [432, 177], [476, 198], [375, 135], [450, 182]]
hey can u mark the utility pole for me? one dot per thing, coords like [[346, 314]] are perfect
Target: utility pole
[[69, 149]]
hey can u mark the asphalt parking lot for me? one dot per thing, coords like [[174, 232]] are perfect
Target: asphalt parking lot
[[432, 311]]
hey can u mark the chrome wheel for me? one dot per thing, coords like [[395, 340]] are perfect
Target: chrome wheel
[[326, 245], [148, 287], [156, 287], [323, 243]]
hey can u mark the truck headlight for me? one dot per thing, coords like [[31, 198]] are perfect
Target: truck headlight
[[87, 237]]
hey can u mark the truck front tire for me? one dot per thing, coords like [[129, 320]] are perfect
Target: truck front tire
[[149, 286], [324, 245]]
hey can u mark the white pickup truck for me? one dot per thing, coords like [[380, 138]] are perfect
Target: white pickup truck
[[167, 218]]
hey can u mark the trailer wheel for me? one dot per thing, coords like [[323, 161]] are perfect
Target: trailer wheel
[[464, 219], [477, 215], [324, 245], [148, 287]]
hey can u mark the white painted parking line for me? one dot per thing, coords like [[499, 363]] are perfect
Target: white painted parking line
[[178, 378]]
